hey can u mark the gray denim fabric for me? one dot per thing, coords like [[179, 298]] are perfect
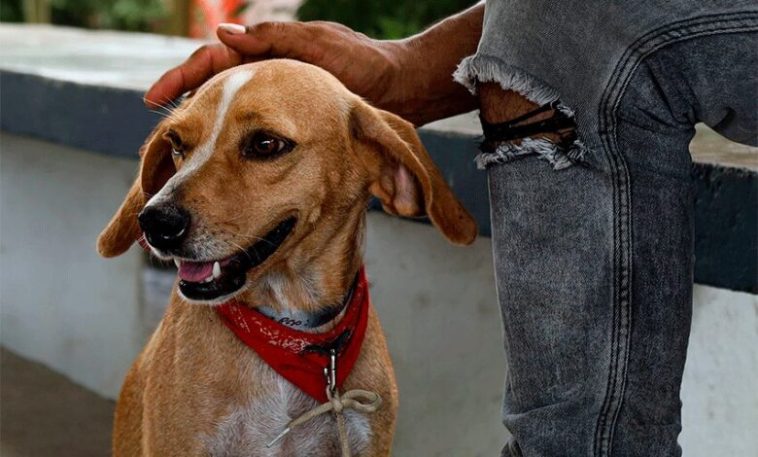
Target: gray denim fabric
[[594, 258]]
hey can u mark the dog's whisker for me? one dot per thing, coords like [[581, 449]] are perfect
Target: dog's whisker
[[165, 115], [161, 103], [166, 100], [237, 246], [245, 236], [250, 237], [257, 238], [238, 217]]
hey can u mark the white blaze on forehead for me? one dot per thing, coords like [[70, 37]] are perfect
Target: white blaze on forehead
[[232, 84]]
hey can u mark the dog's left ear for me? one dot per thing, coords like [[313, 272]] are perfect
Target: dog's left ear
[[155, 169], [403, 176]]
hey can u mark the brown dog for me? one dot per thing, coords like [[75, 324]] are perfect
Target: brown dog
[[277, 159]]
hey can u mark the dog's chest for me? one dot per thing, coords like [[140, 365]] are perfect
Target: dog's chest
[[249, 427]]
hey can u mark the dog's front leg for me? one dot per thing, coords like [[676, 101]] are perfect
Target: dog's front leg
[[127, 423]]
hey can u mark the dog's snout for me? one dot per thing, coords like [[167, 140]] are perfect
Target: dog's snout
[[165, 226]]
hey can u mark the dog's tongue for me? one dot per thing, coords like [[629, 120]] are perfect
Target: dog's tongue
[[195, 271]]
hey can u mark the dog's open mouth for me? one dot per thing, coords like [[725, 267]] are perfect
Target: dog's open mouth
[[206, 281]]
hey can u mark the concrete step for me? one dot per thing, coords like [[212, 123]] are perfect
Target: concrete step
[[44, 414]]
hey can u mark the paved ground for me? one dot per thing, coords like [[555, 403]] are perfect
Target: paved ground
[[43, 414]]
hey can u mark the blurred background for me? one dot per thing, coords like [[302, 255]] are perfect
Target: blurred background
[[199, 18], [72, 74]]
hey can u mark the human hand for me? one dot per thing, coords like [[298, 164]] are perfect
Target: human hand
[[370, 68]]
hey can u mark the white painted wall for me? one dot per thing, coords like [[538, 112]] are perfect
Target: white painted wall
[[60, 303], [720, 387], [438, 308], [83, 316]]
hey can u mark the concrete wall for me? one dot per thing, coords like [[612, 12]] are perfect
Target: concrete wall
[[437, 305], [60, 303], [86, 317], [720, 391]]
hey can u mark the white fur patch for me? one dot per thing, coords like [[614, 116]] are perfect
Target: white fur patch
[[232, 84], [248, 428], [278, 284]]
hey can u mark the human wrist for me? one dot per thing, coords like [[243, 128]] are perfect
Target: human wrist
[[418, 84], [399, 78], [422, 88]]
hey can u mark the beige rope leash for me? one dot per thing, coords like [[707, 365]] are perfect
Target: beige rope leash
[[358, 400]]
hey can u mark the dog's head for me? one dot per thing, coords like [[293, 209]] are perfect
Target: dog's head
[[264, 164]]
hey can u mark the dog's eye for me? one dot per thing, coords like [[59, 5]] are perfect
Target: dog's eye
[[263, 145], [177, 147]]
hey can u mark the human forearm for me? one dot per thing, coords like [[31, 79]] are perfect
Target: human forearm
[[425, 89]]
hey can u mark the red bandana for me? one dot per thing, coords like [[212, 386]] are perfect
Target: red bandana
[[301, 357]]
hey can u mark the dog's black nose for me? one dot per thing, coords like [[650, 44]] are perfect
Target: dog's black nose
[[165, 226]]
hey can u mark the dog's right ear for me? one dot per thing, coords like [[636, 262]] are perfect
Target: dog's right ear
[[156, 168], [403, 175]]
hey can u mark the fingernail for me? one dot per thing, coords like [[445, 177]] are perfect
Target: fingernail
[[234, 29]]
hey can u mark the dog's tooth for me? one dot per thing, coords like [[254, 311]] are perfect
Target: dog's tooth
[[177, 262], [216, 270]]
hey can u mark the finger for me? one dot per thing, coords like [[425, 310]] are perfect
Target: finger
[[270, 39], [198, 68]]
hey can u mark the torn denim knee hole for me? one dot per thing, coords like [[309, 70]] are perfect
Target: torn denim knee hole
[[477, 69], [553, 153]]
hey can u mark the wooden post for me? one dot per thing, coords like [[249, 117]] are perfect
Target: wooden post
[[37, 11], [178, 18]]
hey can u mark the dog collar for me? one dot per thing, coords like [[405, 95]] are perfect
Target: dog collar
[[306, 320], [311, 361]]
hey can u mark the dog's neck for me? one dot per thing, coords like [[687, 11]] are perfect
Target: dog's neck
[[312, 278]]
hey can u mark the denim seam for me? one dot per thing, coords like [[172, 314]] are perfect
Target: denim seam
[[622, 227]]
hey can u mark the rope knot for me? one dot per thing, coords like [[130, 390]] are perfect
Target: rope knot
[[362, 401], [336, 401]]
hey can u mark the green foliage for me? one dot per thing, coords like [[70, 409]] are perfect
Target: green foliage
[[133, 15], [11, 11], [136, 14], [387, 19]]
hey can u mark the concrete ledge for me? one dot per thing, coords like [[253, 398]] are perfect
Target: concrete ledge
[[106, 120], [104, 114]]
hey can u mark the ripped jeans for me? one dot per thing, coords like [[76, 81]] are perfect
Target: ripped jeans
[[594, 254]]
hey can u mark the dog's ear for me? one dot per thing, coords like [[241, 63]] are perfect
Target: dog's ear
[[155, 169], [403, 176]]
